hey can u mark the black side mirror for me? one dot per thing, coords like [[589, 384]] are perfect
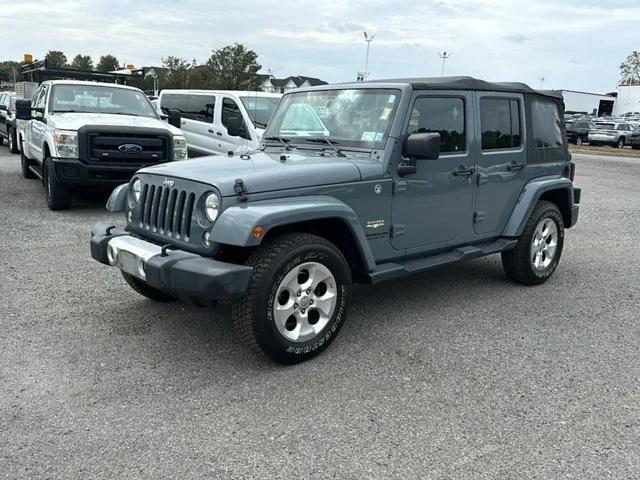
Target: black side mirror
[[234, 125], [23, 109], [3, 108], [423, 146], [175, 118]]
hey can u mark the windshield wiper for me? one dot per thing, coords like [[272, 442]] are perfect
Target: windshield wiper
[[284, 141], [326, 141]]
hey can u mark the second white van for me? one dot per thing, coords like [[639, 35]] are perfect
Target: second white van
[[218, 122]]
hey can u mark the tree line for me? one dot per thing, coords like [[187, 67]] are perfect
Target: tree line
[[233, 67]]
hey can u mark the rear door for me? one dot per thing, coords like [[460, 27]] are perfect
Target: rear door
[[501, 159]]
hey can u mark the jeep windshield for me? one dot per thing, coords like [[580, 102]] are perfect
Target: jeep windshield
[[99, 99], [359, 118], [259, 109]]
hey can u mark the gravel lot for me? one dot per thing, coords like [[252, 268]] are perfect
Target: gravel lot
[[456, 373]]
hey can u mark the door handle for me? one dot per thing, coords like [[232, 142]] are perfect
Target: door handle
[[463, 171], [219, 134], [210, 131], [514, 167]]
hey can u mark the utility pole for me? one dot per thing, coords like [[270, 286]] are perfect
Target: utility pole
[[367, 38], [443, 56], [541, 82]]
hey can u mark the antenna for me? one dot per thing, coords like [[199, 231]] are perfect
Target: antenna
[[444, 56], [541, 79], [367, 38]]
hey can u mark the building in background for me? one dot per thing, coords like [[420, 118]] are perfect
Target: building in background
[[283, 85], [588, 103], [628, 100]]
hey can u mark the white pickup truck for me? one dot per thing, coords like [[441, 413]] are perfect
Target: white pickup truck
[[74, 134]]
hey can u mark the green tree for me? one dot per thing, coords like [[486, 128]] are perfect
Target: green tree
[[630, 69], [176, 73], [108, 63], [7, 70], [82, 62], [234, 67], [55, 59]]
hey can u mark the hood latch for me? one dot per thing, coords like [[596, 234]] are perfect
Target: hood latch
[[241, 190]]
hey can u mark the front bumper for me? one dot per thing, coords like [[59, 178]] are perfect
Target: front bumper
[[76, 172], [186, 275]]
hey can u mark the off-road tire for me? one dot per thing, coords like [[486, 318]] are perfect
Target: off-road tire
[[253, 314], [143, 288], [517, 262], [13, 144], [58, 194], [24, 163]]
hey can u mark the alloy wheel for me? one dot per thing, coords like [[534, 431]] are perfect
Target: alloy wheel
[[544, 244], [306, 300]]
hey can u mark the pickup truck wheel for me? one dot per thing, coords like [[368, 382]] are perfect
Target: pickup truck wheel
[[297, 298], [536, 256], [620, 143], [58, 194], [13, 144], [143, 288], [24, 163]]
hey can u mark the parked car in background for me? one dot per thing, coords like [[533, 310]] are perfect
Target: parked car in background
[[219, 122], [8, 121], [92, 134], [610, 133], [635, 139], [578, 131]]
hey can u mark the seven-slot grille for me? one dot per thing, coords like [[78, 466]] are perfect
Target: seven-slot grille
[[104, 147], [167, 211]]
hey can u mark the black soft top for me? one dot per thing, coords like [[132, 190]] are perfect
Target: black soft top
[[469, 83]]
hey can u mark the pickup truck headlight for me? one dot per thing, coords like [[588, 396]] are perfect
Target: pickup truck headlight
[[179, 148], [212, 206], [66, 142]]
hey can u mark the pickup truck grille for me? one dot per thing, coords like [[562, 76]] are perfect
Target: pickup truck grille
[[167, 211], [109, 148]]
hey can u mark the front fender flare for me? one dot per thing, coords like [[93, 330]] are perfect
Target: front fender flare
[[529, 197], [236, 223], [117, 201]]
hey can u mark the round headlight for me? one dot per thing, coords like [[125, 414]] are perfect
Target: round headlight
[[212, 206], [137, 189]]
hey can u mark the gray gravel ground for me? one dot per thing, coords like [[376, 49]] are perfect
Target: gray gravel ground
[[456, 373]]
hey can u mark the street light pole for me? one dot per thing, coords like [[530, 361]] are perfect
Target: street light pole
[[443, 56], [367, 38]]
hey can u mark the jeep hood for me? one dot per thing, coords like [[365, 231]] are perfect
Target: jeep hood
[[261, 172], [74, 121]]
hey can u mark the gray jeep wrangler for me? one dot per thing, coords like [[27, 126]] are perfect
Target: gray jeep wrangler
[[359, 182]]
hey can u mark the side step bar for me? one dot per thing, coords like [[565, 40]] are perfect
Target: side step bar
[[36, 171], [387, 271]]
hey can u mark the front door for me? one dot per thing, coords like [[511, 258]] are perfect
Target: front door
[[197, 123], [234, 140], [433, 208], [501, 159]]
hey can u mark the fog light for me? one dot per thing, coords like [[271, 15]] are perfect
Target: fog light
[[206, 239]]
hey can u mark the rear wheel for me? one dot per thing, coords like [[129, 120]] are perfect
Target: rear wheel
[[539, 248], [143, 288], [58, 194], [297, 298]]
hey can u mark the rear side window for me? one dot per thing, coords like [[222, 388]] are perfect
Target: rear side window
[[173, 101], [200, 108], [500, 121], [440, 115], [545, 120]]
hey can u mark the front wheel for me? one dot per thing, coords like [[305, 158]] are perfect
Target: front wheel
[[579, 141], [620, 143], [536, 256], [297, 298], [58, 194]]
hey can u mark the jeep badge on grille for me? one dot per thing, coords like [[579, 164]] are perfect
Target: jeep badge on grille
[[168, 182], [130, 148]]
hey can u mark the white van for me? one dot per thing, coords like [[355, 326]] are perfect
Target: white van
[[218, 122]]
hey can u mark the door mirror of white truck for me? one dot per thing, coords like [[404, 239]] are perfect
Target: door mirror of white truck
[[234, 125], [175, 118], [23, 109]]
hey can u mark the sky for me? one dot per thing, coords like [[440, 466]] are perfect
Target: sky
[[575, 45]]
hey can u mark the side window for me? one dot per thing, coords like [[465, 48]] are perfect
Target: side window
[[175, 101], [200, 108], [232, 119], [42, 98], [546, 124], [443, 115], [500, 121]]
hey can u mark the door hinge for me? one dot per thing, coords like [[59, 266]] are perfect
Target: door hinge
[[397, 230], [479, 217], [241, 190], [400, 186]]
